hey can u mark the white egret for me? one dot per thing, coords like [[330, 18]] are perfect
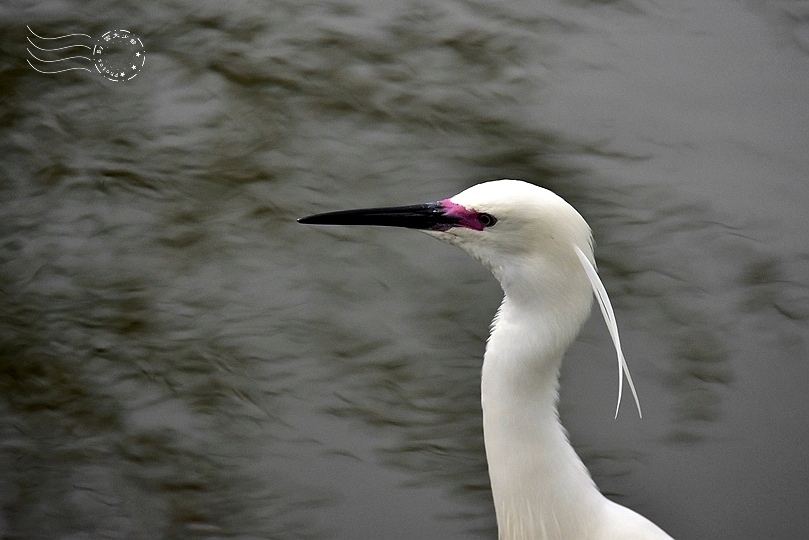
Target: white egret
[[540, 250]]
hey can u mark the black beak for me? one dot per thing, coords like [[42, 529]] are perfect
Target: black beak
[[429, 216]]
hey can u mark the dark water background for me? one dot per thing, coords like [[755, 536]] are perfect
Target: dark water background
[[180, 359]]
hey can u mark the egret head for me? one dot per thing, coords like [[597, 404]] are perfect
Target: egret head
[[513, 226], [516, 229]]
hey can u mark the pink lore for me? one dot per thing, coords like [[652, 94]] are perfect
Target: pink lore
[[466, 218]]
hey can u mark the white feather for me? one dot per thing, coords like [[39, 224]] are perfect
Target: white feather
[[609, 318]]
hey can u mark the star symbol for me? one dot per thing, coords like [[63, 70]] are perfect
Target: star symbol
[[134, 66], [137, 54]]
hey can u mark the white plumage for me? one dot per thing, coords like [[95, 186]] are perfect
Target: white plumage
[[540, 250]]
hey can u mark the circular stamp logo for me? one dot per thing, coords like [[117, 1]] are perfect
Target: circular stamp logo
[[119, 55]]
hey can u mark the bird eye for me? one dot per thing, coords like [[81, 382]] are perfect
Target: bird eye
[[487, 220]]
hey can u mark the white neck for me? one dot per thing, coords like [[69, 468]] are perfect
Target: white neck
[[540, 486]]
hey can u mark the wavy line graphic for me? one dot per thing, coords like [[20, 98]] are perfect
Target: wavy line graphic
[[57, 49], [60, 37], [54, 50], [49, 61]]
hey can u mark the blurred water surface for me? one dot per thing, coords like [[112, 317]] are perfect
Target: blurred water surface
[[180, 359]]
